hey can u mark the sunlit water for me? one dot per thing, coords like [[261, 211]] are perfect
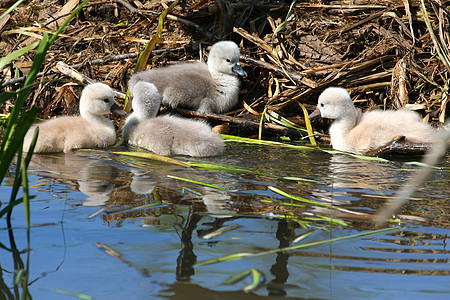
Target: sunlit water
[[156, 247]]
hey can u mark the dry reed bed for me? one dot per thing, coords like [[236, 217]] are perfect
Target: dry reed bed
[[389, 54]]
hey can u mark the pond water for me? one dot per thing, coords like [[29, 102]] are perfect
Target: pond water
[[93, 235]]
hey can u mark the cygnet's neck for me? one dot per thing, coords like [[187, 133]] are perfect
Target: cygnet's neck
[[130, 124], [226, 89], [342, 126], [140, 114], [100, 120], [146, 100]]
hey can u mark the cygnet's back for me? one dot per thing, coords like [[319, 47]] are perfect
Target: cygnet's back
[[167, 135], [90, 129], [378, 128], [361, 133], [206, 88], [170, 135]]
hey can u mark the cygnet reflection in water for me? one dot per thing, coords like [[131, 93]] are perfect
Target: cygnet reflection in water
[[96, 178], [96, 182], [216, 203], [143, 182], [352, 179]]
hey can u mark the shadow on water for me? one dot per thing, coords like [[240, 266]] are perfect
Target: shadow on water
[[110, 226]]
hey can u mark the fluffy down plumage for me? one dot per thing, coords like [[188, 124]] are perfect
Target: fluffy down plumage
[[205, 88], [167, 135], [90, 129], [362, 133]]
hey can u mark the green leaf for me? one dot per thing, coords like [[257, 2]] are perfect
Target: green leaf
[[296, 198], [274, 117], [13, 55], [78, 295], [308, 124], [153, 156], [9, 10], [5, 96], [287, 19], [258, 278], [217, 167], [264, 142], [16, 141], [237, 277], [197, 182]]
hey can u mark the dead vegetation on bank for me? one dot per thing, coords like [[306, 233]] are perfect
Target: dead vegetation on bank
[[389, 54]]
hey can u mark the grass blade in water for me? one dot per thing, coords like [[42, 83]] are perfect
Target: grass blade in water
[[197, 182], [258, 278], [303, 236], [217, 167], [327, 219], [220, 231], [127, 209], [237, 139], [108, 250], [299, 179], [152, 156], [282, 193], [302, 246], [78, 295], [238, 277]]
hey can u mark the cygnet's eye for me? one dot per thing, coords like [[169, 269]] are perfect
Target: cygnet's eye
[[228, 60], [322, 105], [106, 100]]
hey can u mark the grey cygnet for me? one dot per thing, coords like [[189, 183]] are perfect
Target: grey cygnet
[[167, 135], [205, 88]]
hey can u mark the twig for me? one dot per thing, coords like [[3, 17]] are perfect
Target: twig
[[296, 76], [240, 121], [340, 6], [92, 62], [76, 66], [132, 9], [199, 28], [72, 73], [368, 19]]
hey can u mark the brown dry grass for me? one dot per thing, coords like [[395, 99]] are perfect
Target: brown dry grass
[[382, 51]]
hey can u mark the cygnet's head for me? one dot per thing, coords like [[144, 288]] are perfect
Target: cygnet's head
[[98, 99], [224, 58], [334, 103], [146, 100]]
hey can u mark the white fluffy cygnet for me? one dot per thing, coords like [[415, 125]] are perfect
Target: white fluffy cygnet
[[167, 135], [205, 88], [90, 129], [362, 133]]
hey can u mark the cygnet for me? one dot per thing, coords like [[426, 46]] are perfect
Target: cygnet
[[361, 133], [167, 135], [205, 88], [89, 129]]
